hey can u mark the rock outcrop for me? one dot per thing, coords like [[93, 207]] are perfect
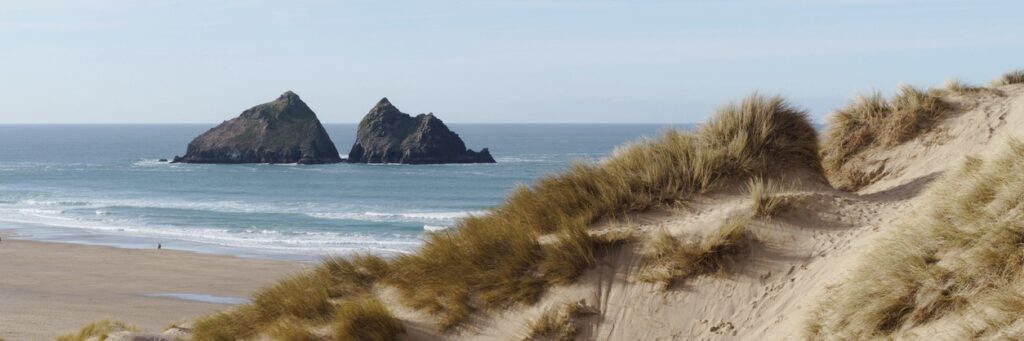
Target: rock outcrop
[[387, 135], [283, 131]]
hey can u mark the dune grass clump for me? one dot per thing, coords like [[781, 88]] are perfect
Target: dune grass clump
[[309, 298], [961, 254], [672, 259], [872, 121], [574, 251], [98, 330], [559, 322], [236, 324], [365, 319], [960, 87], [305, 296], [767, 200], [1013, 77], [290, 329], [495, 260]]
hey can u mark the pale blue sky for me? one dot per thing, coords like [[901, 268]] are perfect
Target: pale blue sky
[[488, 61]]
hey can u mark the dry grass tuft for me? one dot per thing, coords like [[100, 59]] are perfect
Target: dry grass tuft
[[959, 87], [1013, 77], [98, 330], [960, 255], [365, 319], [307, 298], [574, 251], [872, 121], [566, 258], [290, 329], [489, 263], [237, 324], [559, 322], [304, 296], [672, 260], [766, 198]]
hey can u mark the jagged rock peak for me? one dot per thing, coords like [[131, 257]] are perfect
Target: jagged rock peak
[[384, 107], [290, 98], [387, 135]]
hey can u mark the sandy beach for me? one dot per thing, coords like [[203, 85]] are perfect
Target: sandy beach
[[48, 289]]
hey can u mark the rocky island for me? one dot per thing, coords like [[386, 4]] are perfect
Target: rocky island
[[285, 130], [387, 135]]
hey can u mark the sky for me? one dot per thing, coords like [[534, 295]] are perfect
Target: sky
[[484, 61]]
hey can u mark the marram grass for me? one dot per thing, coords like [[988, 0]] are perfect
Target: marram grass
[[960, 255], [871, 121], [672, 259], [98, 330], [365, 319], [1013, 77], [559, 322], [959, 87], [767, 199], [310, 299]]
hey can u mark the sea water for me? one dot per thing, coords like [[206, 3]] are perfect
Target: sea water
[[105, 185]]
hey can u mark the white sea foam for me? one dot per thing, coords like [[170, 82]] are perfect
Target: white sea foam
[[439, 216], [224, 206], [443, 217], [40, 212], [520, 159], [435, 228], [299, 242], [96, 214], [150, 163], [101, 206], [36, 202]]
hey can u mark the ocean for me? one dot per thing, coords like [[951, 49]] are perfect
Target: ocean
[[104, 185]]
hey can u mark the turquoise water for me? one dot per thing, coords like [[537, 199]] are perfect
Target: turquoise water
[[102, 184]]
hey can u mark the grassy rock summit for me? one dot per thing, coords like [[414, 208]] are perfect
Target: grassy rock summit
[[285, 130], [387, 135]]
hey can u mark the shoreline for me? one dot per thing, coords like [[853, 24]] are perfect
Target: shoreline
[[101, 238], [53, 288]]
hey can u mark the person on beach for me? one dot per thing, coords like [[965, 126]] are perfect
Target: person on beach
[[158, 246]]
